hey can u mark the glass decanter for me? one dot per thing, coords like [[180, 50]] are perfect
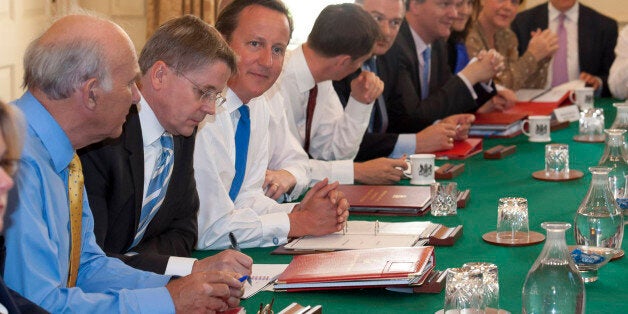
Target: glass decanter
[[553, 284], [621, 119], [599, 221], [614, 157]]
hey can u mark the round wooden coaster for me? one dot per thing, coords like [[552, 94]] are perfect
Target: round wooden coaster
[[533, 238], [589, 138], [618, 255], [573, 175]]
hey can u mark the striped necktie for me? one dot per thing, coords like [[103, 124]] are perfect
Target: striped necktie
[[157, 186], [75, 196], [242, 135]]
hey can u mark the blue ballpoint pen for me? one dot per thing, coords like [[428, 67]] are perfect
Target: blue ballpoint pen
[[236, 246]]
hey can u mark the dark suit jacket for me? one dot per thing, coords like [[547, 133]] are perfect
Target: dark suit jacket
[[448, 93], [13, 301], [597, 37], [373, 145], [114, 179]]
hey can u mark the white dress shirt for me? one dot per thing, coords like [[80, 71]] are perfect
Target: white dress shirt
[[336, 132], [571, 26], [255, 219], [151, 134], [618, 77]]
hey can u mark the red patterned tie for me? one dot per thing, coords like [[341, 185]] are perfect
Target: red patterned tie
[[311, 104]]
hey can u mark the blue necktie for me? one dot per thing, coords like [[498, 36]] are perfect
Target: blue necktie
[[379, 115], [242, 135], [157, 186], [425, 87], [462, 57]]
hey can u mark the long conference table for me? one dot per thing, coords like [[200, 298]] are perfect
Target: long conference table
[[488, 180]]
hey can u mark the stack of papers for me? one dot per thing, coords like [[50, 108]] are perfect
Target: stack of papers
[[357, 269]]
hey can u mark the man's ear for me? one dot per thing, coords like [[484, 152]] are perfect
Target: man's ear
[[343, 60], [158, 72], [89, 92]]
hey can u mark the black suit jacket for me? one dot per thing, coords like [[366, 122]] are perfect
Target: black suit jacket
[[114, 179], [373, 145], [408, 113], [597, 37], [13, 301]]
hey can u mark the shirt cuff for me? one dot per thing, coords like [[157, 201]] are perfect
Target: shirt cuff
[[469, 86], [179, 266], [358, 110], [406, 144], [275, 227], [342, 171]]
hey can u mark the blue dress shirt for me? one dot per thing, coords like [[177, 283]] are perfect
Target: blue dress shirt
[[38, 237]]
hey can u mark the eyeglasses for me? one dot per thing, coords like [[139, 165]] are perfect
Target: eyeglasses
[[206, 95]]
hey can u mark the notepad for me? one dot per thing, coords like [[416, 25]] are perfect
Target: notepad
[[368, 235], [261, 276]]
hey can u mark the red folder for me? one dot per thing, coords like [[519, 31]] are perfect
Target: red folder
[[461, 149], [369, 268]]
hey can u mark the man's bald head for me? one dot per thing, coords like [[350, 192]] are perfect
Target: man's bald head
[[74, 49]]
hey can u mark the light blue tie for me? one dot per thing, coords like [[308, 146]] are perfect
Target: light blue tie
[[425, 86], [242, 135], [157, 186]]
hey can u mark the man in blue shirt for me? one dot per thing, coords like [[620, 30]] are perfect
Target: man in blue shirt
[[80, 76]]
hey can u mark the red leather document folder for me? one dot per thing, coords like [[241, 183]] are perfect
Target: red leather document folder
[[385, 267], [387, 199], [461, 149]]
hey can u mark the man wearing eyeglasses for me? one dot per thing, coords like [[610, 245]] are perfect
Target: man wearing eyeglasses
[[141, 187]]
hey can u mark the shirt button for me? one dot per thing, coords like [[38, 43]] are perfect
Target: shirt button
[[275, 241]]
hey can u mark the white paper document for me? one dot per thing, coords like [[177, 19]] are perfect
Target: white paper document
[[261, 276], [368, 234]]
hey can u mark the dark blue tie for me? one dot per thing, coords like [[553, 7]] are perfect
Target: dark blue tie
[[462, 57], [242, 135]]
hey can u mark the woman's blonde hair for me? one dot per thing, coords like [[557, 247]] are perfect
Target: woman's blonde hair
[[12, 130]]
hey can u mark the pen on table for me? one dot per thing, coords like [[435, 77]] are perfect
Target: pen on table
[[236, 246]]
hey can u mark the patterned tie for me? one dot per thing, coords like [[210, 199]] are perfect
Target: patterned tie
[[427, 57], [75, 195], [309, 115], [242, 135], [559, 68], [157, 186]]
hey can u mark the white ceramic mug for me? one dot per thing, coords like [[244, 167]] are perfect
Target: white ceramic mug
[[583, 97], [422, 169], [538, 128]]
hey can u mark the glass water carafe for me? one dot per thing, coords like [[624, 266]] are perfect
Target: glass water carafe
[[599, 221], [614, 157], [553, 284], [621, 119]]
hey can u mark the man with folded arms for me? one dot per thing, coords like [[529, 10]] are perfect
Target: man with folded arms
[[80, 76], [425, 89], [143, 193], [586, 39], [234, 148]]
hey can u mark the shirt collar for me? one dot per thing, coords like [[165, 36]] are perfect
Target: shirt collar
[[302, 74], [418, 42], [151, 128], [52, 136], [571, 14], [233, 101]]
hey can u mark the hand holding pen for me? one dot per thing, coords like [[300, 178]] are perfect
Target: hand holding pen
[[235, 246]]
